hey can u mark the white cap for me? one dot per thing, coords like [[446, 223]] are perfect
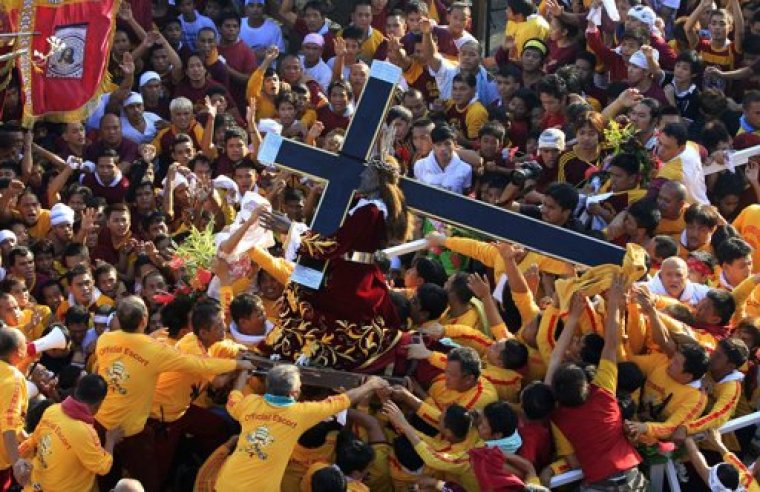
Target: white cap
[[179, 180], [148, 76], [134, 98], [61, 214], [267, 125], [6, 234], [644, 14], [552, 138], [314, 38], [639, 59]]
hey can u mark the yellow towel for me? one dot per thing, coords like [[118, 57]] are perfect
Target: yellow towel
[[599, 278]]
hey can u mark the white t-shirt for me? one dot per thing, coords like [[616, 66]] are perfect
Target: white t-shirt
[[260, 38], [190, 30], [319, 72], [136, 135], [346, 68], [457, 177]]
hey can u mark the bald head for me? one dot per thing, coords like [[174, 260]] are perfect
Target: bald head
[[11, 342], [670, 199], [132, 314], [128, 485], [673, 275]]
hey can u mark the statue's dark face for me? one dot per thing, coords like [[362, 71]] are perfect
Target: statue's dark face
[[368, 180]]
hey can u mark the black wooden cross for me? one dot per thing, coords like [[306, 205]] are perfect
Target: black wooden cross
[[342, 170]]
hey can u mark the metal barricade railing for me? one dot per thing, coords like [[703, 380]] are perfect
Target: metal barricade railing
[[667, 470]]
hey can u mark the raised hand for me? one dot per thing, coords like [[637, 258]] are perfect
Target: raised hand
[[152, 38], [630, 97], [125, 12], [89, 217], [509, 251], [272, 53], [479, 285], [426, 26], [316, 130], [276, 222], [340, 47], [753, 171], [212, 108], [250, 113], [127, 64]]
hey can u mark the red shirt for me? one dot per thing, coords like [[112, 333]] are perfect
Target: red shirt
[[197, 96], [104, 250], [331, 120], [240, 57], [426, 84], [595, 430], [127, 150], [112, 194], [559, 57], [536, 443]]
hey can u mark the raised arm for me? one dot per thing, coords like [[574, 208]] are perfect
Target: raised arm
[[480, 287], [736, 12], [60, 180], [340, 59], [690, 26], [515, 278], [577, 306], [429, 50], [207, 141], [615, 299], [27, 160], [288, 16], [660, 334]]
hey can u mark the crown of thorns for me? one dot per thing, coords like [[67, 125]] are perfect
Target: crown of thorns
[[382, 165]]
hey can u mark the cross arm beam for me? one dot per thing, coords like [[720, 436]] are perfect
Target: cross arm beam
[[499, 223]]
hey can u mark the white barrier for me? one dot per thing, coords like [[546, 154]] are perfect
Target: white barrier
[[666, 470], [738, 158]]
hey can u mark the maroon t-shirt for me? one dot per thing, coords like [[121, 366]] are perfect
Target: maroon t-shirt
[[104, 250], [331, 120], [127, 150], [112, 194]]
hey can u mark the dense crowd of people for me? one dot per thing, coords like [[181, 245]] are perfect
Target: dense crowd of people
[[146, 252]]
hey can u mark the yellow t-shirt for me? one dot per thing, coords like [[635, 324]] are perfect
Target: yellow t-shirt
[[41, 229], [269, 433], [748, 225], [67, 453], [685, 404], [489, 255], [305, 485], [36, 331], [13, 402], [131, 363], [534, 26], [175, 391], [265, 108], [303, 458], [441, 397], [102, 300]]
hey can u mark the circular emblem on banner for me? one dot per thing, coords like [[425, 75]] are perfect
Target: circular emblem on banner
[[69, 62]]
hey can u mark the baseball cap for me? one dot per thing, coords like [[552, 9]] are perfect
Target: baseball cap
[[314, 38], [148, 76], [639, 59], [133, 98], [644, 14], [552, 138]]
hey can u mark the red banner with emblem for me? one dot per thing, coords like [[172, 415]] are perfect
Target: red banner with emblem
[[66, 84]]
